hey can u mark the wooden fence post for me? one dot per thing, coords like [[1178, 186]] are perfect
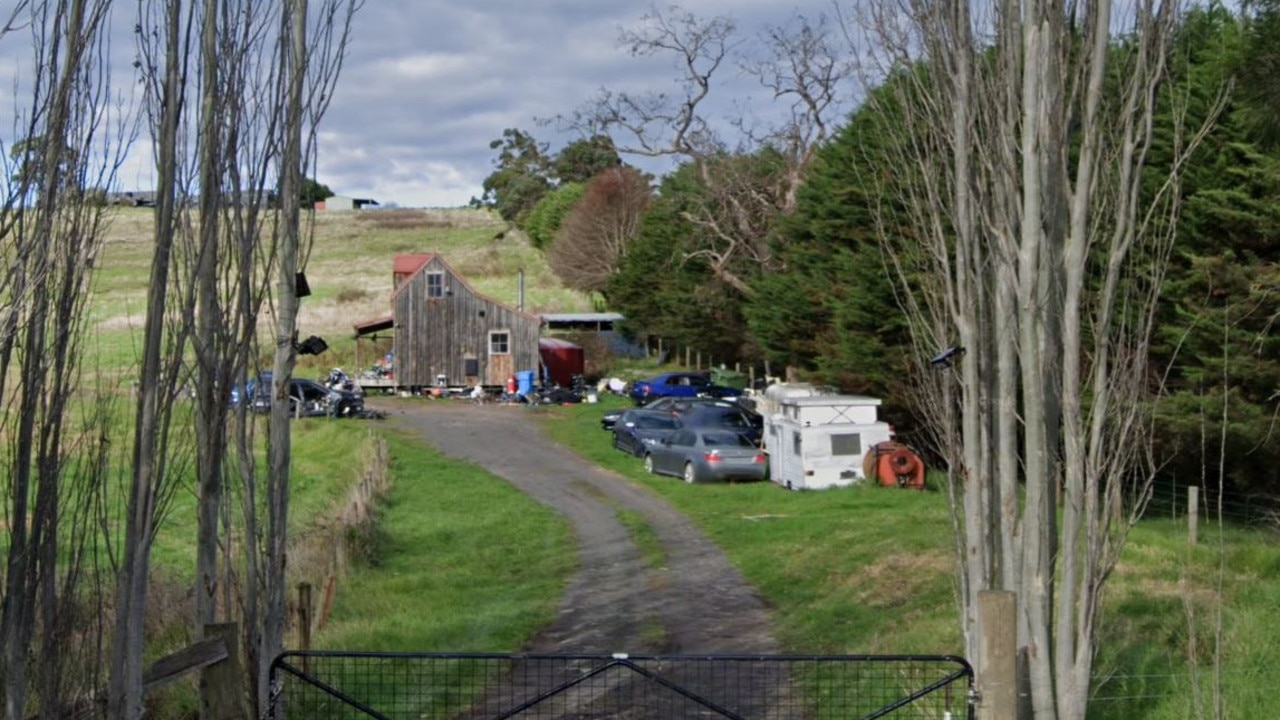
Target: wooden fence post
[[304, 616], [222, 693], [997, 667], [1193, 513]]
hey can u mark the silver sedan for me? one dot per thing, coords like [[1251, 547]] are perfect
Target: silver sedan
[[706, 454]]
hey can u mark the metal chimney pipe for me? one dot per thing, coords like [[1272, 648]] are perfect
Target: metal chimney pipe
[[520, 289]]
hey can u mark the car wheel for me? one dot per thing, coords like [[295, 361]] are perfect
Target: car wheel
[[690, 475], [648, 464]]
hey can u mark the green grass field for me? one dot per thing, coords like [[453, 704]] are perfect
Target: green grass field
[[869, 570], [460, 561]]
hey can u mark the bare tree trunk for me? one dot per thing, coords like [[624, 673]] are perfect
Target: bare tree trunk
[[1024, 168], [48, 250], [155, 398], [211, 390], [280, 448]]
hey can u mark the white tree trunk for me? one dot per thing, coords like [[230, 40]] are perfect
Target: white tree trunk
[[1017, 177]]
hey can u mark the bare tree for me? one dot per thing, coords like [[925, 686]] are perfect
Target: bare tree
[[596, 233], [279, 447], [1018, 158], [254, 105], [50, 237], [802, 65], [160, 373]]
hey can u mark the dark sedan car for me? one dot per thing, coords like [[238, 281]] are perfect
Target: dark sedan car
[[638, 430], [678, 384], [744, 422], [307, 398], [705, 454], [680, 405]]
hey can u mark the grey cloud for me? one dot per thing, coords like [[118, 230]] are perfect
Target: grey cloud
[[427, 84]]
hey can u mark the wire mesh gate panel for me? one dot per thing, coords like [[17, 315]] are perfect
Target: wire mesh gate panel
[[395, 686]]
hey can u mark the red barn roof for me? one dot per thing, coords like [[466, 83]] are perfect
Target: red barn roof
[[409, 264]]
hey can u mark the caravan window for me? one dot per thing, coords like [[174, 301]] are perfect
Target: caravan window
[[850, 444], [795, 441]]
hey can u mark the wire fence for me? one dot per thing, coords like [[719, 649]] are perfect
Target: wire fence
[[326, 685], [1170, 499]]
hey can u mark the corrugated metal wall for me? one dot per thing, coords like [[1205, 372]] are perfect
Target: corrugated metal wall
[[435, 336]]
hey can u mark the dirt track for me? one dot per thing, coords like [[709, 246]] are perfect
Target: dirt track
[[697, 603]]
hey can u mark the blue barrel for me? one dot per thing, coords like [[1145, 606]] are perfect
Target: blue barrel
[[524, 382]]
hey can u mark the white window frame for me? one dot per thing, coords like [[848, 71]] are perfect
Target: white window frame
[[492, 346], [437, 290], [841, 441]]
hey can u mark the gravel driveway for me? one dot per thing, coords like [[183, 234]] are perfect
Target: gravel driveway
[[697, 603]]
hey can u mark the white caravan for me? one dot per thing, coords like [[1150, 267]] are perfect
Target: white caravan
[[817, 440]]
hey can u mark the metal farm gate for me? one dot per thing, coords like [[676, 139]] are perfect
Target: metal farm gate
[[476, 686]]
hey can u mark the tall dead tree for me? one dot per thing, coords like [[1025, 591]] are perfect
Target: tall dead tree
[[50, 237], [1017, 155], [279, 448], [253, 81], [160, 373], [799, 64]]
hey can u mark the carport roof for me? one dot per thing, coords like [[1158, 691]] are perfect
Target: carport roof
[[372, 326]]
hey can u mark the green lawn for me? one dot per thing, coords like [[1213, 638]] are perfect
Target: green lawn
[[460, 561], [869, 570]]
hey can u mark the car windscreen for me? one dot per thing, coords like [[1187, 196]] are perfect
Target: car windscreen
[[725, 439], [717, 417], [656, 422]]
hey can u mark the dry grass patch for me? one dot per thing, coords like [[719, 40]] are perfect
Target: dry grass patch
[[406, 219], [895, 579], [351, 295]]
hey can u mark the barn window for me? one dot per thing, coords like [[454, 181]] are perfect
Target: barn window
[[848, 444], [435, 284], [499, 342]]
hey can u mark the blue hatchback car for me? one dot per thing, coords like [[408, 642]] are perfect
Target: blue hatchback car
[[679, 384]]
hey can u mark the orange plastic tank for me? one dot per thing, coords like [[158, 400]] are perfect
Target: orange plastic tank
[[894, 465]]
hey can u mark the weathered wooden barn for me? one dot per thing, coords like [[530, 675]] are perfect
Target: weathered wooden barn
[[444, 327]]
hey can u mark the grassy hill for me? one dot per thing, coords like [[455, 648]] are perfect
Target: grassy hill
[[348, 268]]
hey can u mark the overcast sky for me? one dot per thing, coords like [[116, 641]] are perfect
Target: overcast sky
[[429, 83]]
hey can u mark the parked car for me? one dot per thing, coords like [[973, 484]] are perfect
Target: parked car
[[307, 398], [744, 422], [679, 405], [610, 418], [638, 430], [703, 454], [678, 384]]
